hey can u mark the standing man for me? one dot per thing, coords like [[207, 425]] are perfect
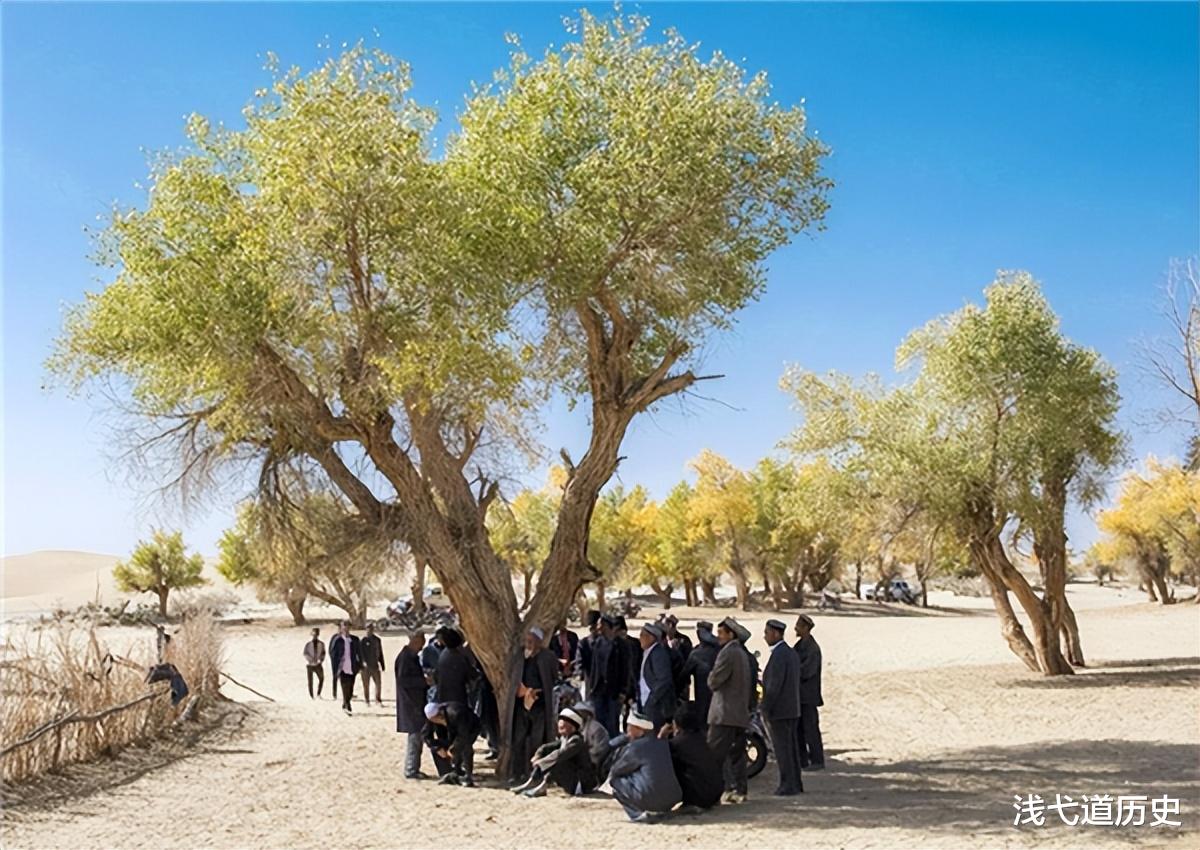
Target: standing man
[[565, 645], [699, 664], [812, 751], [534, 721], [781, 707], [410, 702], [656, 685], [629, 652], [729, 712], [455, 670], [314, 658], [372, 665], [602, 676], [676, 639], [346, 659]]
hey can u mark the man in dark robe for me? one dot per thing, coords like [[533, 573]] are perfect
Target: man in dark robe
[[455, 672], [812, 750], [642, 775], [534, 720], [696, 766], [697, 667], [630, 653], [410, 702], [729, 710], [602, 672]]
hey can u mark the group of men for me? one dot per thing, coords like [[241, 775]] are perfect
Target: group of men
[[349, 658], [664, 722]]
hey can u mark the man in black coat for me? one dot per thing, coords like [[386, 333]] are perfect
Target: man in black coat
[[697, 667], [656, 685], [602, 674], [696, 766], [565, 646], [455, 672], [450, 732], [373, 665], [534, 718], [632, 656], [410, 702], [781, 707], [346, 660], [812, 750]]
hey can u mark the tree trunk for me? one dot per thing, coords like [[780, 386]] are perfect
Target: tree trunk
[[162, 592], [663, 593], [924, 594], [1050, 547], [777, 595], [1072, 646], [527, 592], [601, 601], [421, 563], [689, 592], [294, 599], [1010, 627], [858, 580], [708, 587], [742, 586], [1049, 658]]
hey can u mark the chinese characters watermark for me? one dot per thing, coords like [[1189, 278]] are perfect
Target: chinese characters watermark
[[1097, 810]]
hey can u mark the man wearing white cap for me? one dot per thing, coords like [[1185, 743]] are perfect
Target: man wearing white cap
[[450, 732], [643, 777], [656, 684], [533, 711], [564, 762]]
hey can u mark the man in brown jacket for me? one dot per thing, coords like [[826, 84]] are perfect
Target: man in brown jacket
[[729, 711]]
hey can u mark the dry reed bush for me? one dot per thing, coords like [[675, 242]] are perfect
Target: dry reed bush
[[63, 672]]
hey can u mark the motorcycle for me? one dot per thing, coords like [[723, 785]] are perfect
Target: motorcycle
[[758, 748]]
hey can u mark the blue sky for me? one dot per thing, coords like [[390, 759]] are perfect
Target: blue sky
[[1058, 138]]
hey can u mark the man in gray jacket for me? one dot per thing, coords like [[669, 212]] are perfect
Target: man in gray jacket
[[729, 711], [781, 706], [656, 685], [643, 776]]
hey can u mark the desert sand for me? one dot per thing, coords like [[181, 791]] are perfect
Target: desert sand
[[931, 727]]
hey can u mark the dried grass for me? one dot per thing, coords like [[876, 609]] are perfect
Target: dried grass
[[64, 671]]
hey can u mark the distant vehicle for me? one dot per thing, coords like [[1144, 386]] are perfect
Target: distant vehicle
[[434, 597], [897, 591]]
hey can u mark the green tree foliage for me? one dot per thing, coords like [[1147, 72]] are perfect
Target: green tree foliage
[[316, 290], [158, 566], [316, 547], [1003, 422]]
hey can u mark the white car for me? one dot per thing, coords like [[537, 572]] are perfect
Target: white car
[[898, 591], [434, 597]]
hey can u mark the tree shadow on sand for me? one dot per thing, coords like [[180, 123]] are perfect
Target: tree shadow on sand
[[1140, 673], [970, 792]]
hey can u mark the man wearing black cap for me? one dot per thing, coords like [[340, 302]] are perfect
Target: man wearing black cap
[[629, 651], [534, 719], [729, 712], [656, 686], [602, 674], [697, 667], [781, 707], [812, 751]]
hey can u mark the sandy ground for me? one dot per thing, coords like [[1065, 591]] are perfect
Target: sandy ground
[[930, 725]]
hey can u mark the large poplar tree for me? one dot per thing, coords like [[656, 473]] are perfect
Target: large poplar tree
[[318, 290]]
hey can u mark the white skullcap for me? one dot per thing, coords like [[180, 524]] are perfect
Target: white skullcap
[[431, 710]]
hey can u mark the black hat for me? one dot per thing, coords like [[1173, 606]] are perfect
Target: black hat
[[654, 630], [621, 623], [593, 617], [776, 625], [608, 620]]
